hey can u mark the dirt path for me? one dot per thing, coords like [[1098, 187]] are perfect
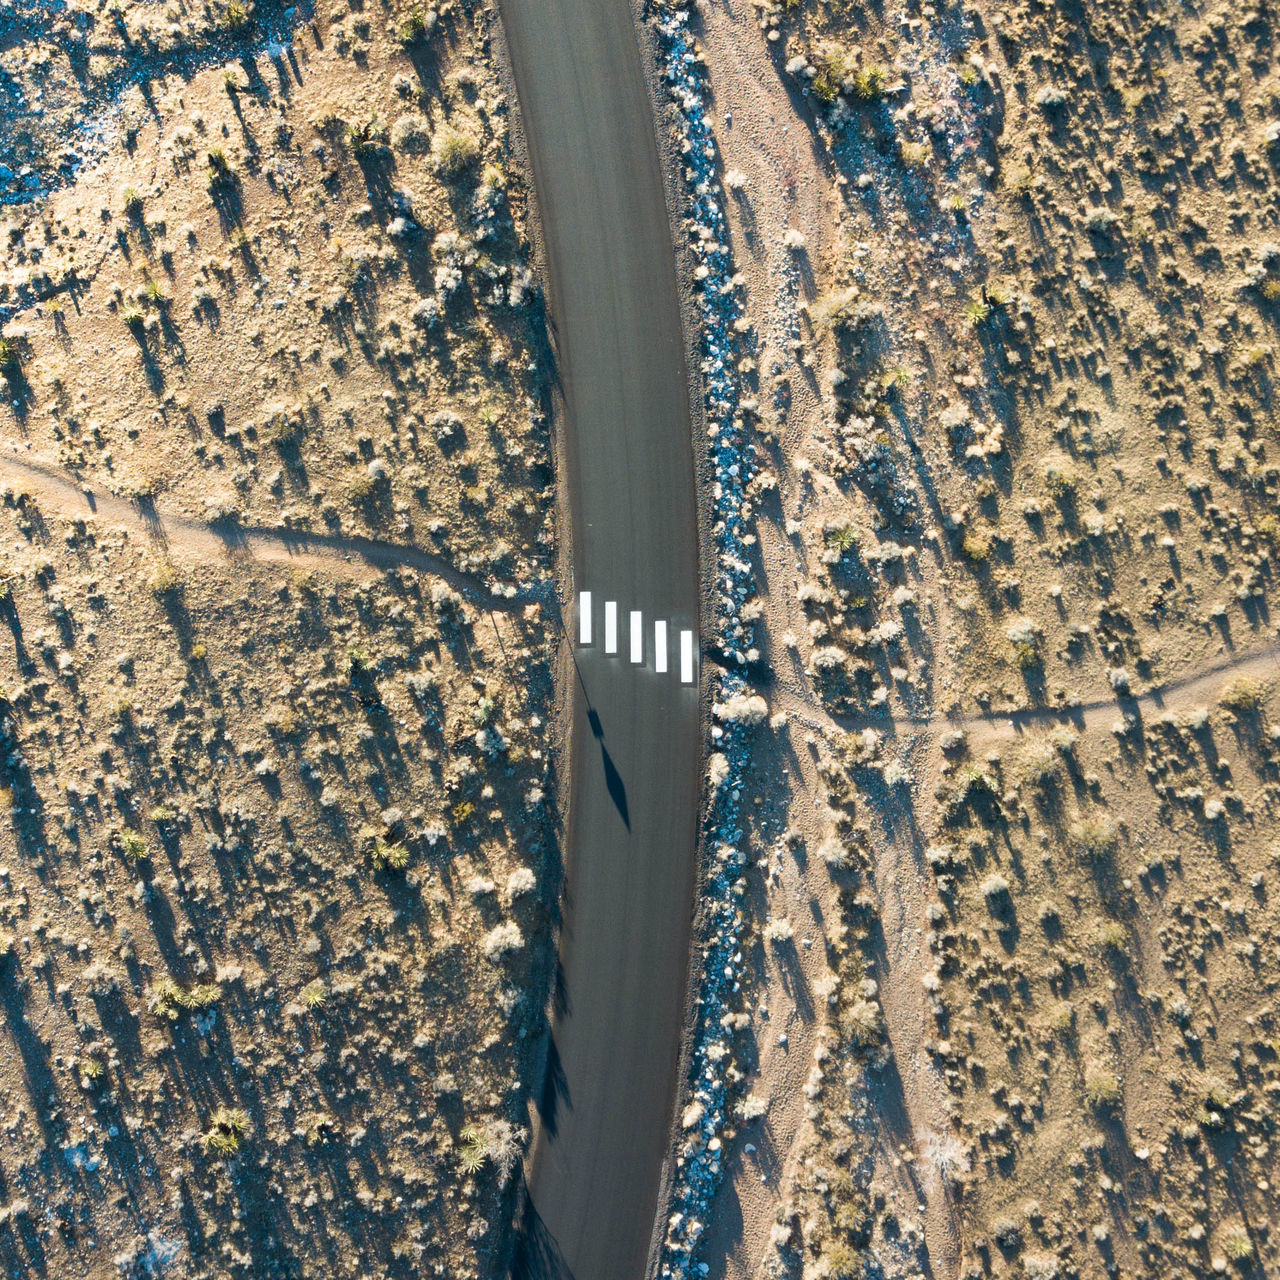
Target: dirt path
[[786, 185], [1198, 683], [359, 559]]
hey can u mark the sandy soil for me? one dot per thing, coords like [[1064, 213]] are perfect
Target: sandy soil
[[788, 187], [279, 866], [898, 188], [351, 556]]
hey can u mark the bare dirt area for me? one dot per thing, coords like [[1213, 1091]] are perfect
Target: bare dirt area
[[277, 854], [1010, 274]]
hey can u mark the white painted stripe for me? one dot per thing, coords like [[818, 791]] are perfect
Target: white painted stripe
[[611, 626], [584, 617], [637, 636], [660, 646], [686, 657]]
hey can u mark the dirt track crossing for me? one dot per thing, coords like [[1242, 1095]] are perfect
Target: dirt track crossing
[[345, 557]]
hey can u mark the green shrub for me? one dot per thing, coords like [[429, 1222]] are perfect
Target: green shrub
[[1007, 1234], [846, 313], [914, 154], [1062, 1018], [843, 1261], [283, 429], [1102, 1090], [1060, 481], [1041, 764], [411, 133], [165, 581], [1094, 838], [453, 152], [1242, 695], [1114, 937], [1217, 1094], [862, 1026]]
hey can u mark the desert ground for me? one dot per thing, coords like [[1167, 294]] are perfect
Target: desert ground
[[1009, 273], [279, 846]]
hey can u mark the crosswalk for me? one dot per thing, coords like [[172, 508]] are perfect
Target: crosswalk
[[658, 656]]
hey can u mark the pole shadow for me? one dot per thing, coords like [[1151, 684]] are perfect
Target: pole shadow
[[612, 778]]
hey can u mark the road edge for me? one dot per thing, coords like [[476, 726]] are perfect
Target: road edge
[[561, 742], [665, 121]]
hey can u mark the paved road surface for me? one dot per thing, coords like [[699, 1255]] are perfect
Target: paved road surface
[[606, 1106]]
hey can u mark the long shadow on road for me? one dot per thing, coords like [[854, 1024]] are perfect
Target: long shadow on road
[[537, 1255], [612, 778]]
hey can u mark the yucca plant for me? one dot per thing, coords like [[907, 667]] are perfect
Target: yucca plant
[[869, 82], [226, 1131], [414, 27], [389, 857], [314, 995], [475, 1149]]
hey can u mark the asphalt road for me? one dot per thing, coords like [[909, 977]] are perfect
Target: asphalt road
[[605, 1112]]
